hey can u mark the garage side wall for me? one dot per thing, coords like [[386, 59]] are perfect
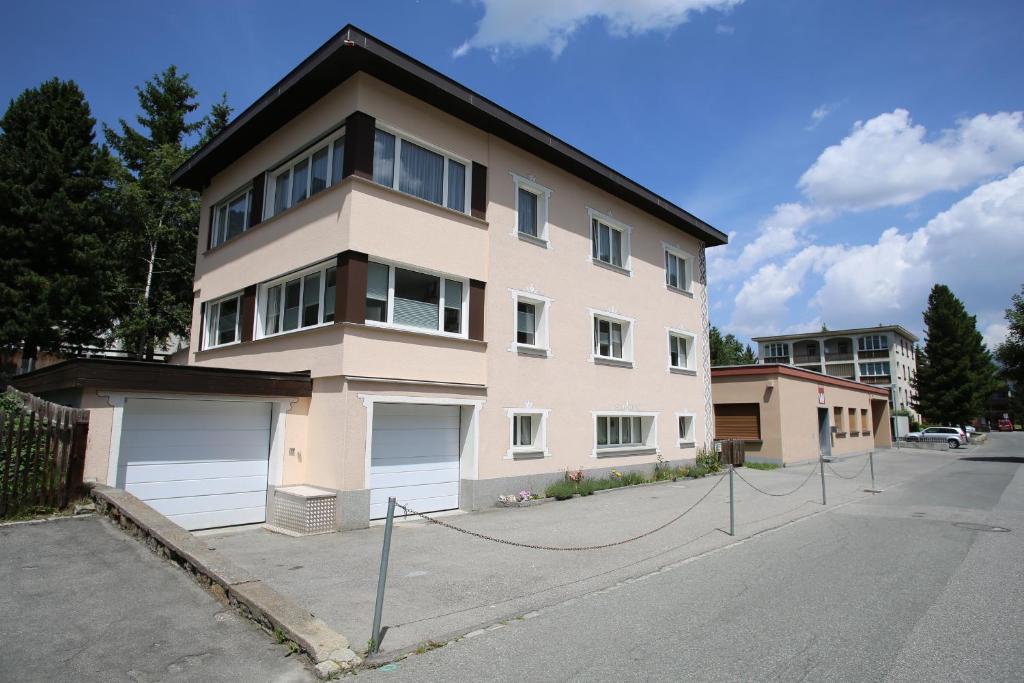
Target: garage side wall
[[756, 390], [800, 419]]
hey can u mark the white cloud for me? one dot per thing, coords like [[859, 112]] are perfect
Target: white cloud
[[888, 161], [995, 334], [975, 247], [525, 24], [725, 30], [819, 114], [779, 234]]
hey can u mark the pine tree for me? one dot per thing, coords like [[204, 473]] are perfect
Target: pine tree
[[157, 240], [55, 222], [728, 350], [955, 374], [1011, 352]]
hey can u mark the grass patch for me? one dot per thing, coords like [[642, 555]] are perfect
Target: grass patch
[[561, 490], [698, 472], [761, 465]]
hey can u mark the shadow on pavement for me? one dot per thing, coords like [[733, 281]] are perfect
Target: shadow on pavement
[[996, 458]]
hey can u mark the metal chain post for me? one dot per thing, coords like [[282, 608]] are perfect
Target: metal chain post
[[732, 502], [821, 466], [382, 578]]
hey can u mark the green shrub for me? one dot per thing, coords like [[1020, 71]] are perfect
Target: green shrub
[[561, 490], [632, 479], [707, 458], [698, 472], [761, 465], [682, 472]]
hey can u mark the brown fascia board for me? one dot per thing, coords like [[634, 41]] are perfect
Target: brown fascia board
[[776, 369], [352, 50], [853, 330], [126, 375]]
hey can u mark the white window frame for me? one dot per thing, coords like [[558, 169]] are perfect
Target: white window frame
[[270, 189], [300, 275], [629, 331], [878, 342], [219, 231], [614, 224], [210, 324], [539, 428], [687, 440], [879, 363], [774, 346], [648, 425], [389, 322], [690, 367], [401, 135], [686, 286], [543, 304], [543, 195]]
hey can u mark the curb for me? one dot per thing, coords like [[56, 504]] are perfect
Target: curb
[[327, 650]]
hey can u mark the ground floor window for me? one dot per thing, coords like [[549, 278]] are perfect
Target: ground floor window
[[528, 433], [685, 426], [615, 432]]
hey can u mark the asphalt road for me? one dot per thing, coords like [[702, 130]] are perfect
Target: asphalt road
[[81, 601], [892, 587]]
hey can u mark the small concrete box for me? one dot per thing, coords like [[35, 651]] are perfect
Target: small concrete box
[[304, 510]]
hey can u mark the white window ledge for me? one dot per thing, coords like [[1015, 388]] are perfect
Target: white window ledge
[[677, 290], [615, 269], [615, 363], [683, 371], [536, 351], [603, 452], [531, 239], [528, 454], [687, 444]]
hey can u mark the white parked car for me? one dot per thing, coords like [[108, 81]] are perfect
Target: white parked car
[[953, 436]]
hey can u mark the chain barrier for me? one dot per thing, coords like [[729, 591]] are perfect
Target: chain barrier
[[859, 472], [779, 495], [571, 548]]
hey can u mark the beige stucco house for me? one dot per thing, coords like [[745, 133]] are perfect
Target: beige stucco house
[[786, 414], [475, 305]]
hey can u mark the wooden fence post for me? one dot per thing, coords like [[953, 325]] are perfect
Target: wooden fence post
[[76, 459]]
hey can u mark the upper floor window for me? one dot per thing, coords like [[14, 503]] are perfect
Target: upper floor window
[[297, 301], [231, 217], [680, 350], [613, 337], [223, 321], [406, 166], [531, 208], [609, 241], [874, 342], [306, 174], [531, 322], [678, 269], [417, 300], [874, 369], [776, 350]]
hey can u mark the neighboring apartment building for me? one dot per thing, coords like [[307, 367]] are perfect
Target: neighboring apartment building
[[480, 306], [881, 356]]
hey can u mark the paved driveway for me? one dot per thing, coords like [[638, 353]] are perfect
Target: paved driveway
[[81, 601], [442, 583]]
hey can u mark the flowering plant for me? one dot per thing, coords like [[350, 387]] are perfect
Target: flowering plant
[[525, 495], [574, 475], [617, 474]]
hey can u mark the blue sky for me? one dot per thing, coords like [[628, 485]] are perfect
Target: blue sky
[[856, 152]]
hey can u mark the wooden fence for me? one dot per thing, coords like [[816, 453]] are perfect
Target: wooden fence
[[42, 453]]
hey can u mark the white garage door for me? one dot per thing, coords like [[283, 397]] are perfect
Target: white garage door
[[202, 464], [414, 457]]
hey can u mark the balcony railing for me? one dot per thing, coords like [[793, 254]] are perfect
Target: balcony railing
[[802, 359], [776, 359], [876, 379], [844, 371], [876, 353], [830, 356]]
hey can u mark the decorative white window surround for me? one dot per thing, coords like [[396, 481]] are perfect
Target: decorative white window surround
[[649, 446], [265, 287], [689, 366], [401, 135], [688, 259], [541, 346], [306, 154], [539, 436], [687, 439], [543, 195], [211, 320], [628, 334], [626, 232], [389, 323]]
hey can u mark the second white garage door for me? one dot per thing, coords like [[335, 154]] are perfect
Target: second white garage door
[[201, 464], [414, 457]]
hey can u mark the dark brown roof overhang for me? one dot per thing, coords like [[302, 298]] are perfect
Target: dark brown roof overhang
[[352, 50]]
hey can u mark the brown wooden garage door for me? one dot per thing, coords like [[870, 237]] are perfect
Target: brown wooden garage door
[[737, 421]]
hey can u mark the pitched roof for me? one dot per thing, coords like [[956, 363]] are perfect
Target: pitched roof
[[352, 50]]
